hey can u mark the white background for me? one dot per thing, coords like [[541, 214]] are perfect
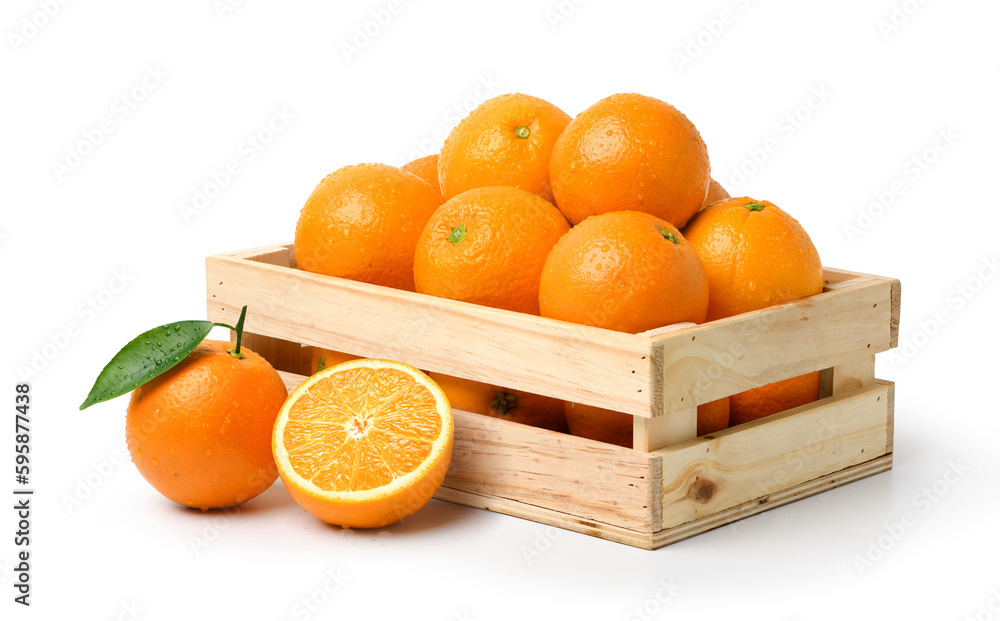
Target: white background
[[106, 544]]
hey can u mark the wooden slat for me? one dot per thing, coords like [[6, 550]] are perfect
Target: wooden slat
[[847, 376], [590, 480], [546, 469], [650, 434], [716, 472], [731, 355], [891, 425], [754, 506], [587, 365], [549, 517], [678, 533]]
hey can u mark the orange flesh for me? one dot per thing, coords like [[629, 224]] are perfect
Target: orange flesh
[[360, 429]]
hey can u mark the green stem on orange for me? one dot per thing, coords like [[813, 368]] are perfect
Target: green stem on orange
[[668, 235], [457, 234], [754, 206], [504, 402], [522, 131], [235, 352]]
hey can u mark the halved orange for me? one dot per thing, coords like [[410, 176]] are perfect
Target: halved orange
[[364, 443]]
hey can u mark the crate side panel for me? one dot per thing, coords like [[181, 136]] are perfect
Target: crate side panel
[[752, 507], [712, 473], [724, 357], [549, 517], [586, 479], [557, 359]]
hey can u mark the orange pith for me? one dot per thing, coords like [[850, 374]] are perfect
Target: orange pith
[[364, 443]]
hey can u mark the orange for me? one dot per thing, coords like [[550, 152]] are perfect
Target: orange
[[505, 403], [626, 271], [487, 246], [630, 152], [507, 140], [755, 255], [772, 398], [365, 443], [362, 222], [715, 193], [323, 358], [427, 169], [614, 427], [200, 433]]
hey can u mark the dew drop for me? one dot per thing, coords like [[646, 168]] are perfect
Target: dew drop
[[138, 453], [156, 462]]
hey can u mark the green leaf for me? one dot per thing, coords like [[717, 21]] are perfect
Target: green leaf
[[146, 356]]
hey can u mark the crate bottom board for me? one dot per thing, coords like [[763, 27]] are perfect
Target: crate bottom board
[[653, 541]]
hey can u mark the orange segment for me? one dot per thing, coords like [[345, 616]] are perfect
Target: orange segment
[[364, 443]]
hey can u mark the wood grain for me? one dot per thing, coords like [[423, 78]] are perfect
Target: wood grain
[[719, 471], [727, 356], [587, 365]]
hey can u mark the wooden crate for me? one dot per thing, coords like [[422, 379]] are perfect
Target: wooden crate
[[670, 485]]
